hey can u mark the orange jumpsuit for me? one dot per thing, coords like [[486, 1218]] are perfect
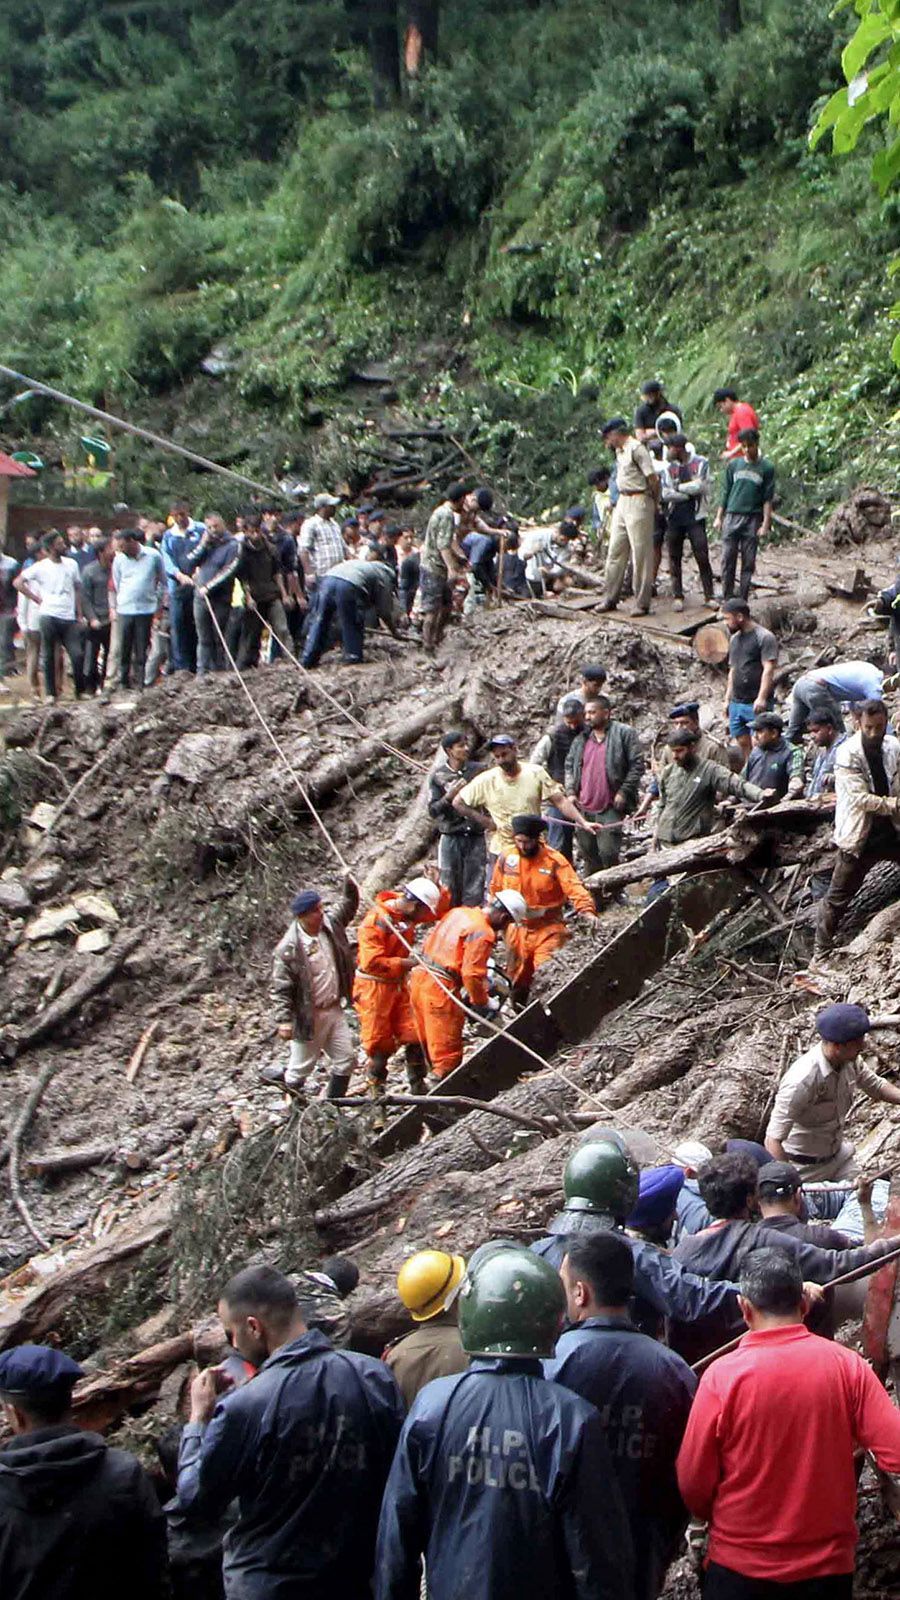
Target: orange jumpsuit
[[380, 989], [459, 947], [546, 881]]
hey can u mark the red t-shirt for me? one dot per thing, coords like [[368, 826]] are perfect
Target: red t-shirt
[[767, 1458], [743, 416]]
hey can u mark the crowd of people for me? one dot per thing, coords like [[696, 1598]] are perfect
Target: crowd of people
[[177, 594], [538, 1431]]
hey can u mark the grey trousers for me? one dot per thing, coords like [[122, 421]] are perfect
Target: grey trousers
[[462, 858], [599, 850]]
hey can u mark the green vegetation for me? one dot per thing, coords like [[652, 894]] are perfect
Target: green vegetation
[[566, 201]]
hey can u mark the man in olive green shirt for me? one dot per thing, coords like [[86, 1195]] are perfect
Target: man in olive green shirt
[[438, 563], [633, 519], [689, 789]]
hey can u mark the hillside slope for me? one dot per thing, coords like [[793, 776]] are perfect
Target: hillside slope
[[564, 204]]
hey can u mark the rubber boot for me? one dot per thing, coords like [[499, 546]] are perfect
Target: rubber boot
[[338, 1084], [415, 1069], [379, 1114], [430, 631]]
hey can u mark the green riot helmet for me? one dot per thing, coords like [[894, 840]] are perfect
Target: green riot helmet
[[514, 1306], [602, 1177], [486, 1250]]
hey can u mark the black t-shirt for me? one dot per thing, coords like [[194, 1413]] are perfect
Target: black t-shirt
[[746, 654], [647, 412], [257, 570]]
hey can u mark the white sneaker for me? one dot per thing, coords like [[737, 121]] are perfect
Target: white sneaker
[[677, 605]]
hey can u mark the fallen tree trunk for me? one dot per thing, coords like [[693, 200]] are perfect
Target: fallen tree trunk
[[30, 1311], [97, 977], [102, 1398], [735, 847], [324, 780], [58, 1163]]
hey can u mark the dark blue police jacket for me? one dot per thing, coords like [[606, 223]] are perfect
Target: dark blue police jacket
[[305, 1447], [643, 1392], [660, 1282], [504, 1482]]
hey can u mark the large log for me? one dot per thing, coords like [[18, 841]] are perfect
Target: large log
[[355, 757], [736, 847], [31, 1310], [102, 1398]]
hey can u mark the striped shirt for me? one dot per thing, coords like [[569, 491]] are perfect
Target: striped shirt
[[321, 538]]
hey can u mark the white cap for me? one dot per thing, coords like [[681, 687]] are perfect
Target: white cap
[[513, 902], [323, 500], [424, 890], [691, 1153]]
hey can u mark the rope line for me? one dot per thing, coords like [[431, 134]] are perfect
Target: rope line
[[269, 489], [493, 1027], [420, 766]]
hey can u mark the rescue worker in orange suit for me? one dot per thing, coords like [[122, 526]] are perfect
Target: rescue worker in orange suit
[[381, 984], [547, 882], [455, 956]]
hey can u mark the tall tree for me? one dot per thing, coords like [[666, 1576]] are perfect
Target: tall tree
[[421, 41]]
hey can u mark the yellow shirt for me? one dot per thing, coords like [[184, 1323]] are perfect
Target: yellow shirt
[[504, 798]]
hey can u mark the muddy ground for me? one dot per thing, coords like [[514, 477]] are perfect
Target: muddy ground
[[200, 861]]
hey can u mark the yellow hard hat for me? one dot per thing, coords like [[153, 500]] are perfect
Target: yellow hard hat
[[428, 1281]]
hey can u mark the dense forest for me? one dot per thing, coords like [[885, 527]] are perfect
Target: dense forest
[[214, 216]]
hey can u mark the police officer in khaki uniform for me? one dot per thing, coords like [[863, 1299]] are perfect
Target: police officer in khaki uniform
[[634, 517], [428, 1284]]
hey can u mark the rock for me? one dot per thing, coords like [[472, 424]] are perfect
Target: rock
[[140, 964], [44, 876], [93, 942], [14, 898], [42, 815], [51, 922], [96, 906], [198, 756]]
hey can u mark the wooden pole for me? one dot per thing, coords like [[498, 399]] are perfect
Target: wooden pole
[[500, 559]]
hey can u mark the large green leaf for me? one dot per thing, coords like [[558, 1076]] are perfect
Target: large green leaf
[[886, 167], [872, 32]]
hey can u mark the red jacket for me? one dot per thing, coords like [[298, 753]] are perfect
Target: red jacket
[[767, 1458]]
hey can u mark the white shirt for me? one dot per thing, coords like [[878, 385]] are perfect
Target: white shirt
[[56, 583], [326, 989]]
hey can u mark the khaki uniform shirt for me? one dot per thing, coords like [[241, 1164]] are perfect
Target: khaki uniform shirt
[[813, 1103], [433, 1350], [326, 989], [634, 465]]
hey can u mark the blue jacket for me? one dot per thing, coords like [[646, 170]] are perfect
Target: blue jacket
[[177, 546], [215, 565], [661, 1285], [305, 1447], [503, 1482], [691, 1214], [643, 1392]]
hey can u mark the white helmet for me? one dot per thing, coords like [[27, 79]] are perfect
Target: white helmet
[[513, 902], [425, 891]]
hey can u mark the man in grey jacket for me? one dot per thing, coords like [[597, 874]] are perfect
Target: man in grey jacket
[[95, 602], [603, 773], [312, 976]]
